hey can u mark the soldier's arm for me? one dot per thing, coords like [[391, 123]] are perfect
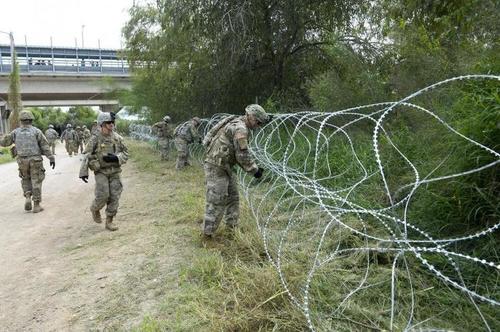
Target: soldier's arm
[[7, 140], [90, 145], [122, 152], [242, 152], [170, 131], [44, 145]]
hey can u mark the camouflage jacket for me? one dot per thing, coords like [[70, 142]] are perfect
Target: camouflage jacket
[[187, 131], [99, 146], [51, 134], [29, 141], [229, 146], [162, 130], [69, 135], [86, 134]]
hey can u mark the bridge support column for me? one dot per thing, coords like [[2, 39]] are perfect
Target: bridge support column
[[4, 120], [108, 108]]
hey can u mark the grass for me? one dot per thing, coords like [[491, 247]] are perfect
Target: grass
[[5, 155], [228, 284]]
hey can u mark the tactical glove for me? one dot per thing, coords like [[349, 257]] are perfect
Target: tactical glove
[[85, 179], [258, 174], [110, 158], [53, 164]]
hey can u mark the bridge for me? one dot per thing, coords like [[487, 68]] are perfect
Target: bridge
[[62, 76]]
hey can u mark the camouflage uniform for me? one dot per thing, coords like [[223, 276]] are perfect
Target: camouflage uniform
[[226, 147], [31, 144], [163, 130], [70, 137], [52, 137], [95, 130], [185, 134], [108, 185], [86, 135], [79, 141]]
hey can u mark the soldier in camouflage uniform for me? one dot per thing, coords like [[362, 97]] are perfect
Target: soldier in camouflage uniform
[[227, 145], [186, 134], [105, 154], [79, 142], [95, 130], [30, 145], [163, 130], [70, 137], [86, 135], [52, 137]]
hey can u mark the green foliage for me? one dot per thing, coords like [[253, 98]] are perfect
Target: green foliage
[[122, 126], [14, 94], [204, 58]]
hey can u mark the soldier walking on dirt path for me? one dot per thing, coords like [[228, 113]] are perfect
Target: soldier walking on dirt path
[[52, 135], [226, 146], [30, 145], [163, 130], [105, 154], [70, 137], [185, 134]]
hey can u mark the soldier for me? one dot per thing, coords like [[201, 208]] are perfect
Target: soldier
[[70, 137], [30, 145], [104, 155], [185, 134], [79, 142], [86, 135], [163, 130], [95, 130], [52, 137], [227, 145]]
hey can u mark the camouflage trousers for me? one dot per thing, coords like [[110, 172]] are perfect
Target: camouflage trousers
[[222, 198], [52, 144], [71, 147], [32, 173], [108, 189], [182, 153], [164, 146]]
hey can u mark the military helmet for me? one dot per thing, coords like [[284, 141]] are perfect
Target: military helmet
[[51, 126], [26, 115], [69, 125], [77, 127], [105, 117], [196, 119], [166, 118], [257, 111]]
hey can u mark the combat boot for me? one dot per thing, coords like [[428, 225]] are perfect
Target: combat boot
[[27, 203], [96, 215], [109, 224], [37, 208]]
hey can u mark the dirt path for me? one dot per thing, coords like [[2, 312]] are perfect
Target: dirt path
[[60, 271]]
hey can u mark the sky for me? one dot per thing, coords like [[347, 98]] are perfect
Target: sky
[[39, 20]]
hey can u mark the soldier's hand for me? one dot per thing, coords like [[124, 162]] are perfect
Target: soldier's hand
[[259, 173], [85, 179], [53, 164], [110, 158]]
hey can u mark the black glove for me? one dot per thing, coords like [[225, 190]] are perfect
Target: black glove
[[53, 164], [85, 179], [110, 158], [270, 117], [258, 174]]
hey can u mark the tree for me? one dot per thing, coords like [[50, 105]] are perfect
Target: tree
[[14, 96], [209, 57]]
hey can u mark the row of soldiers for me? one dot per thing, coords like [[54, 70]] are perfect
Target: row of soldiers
[[74, 139], [226, 145]]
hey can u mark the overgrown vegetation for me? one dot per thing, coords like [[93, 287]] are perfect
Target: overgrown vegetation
[[200, 58]]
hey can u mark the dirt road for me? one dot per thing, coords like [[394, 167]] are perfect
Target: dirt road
[[60, 271]]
